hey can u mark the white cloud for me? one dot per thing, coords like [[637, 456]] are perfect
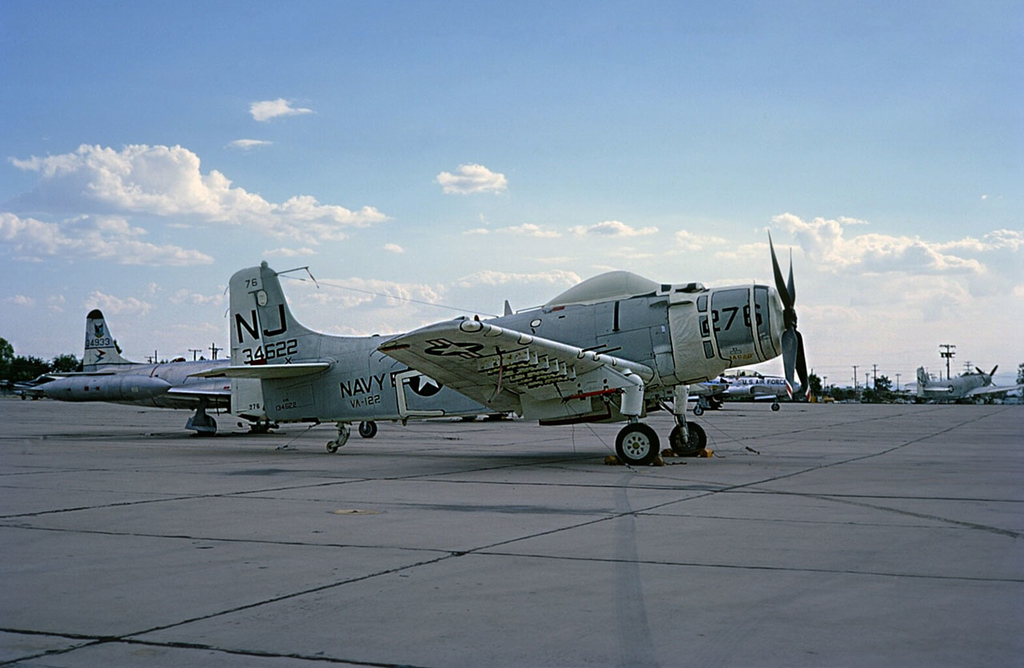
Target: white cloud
[[695, 242], [112, 305], [825, 243], [477, 230], [269, 109], [471, 179], [531, 230], [289, 252], [92, 238], [394, 248], [612, 228], [555, 278], [167, 181], [246, 144], [21, 300], [186, 296]]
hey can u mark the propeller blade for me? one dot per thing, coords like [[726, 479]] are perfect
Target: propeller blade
[[993, 371], [789, 284], [790, 347], [780, 283], [978, 369], [801, 363]]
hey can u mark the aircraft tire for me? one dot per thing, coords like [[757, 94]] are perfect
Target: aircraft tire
[[368, 429], [698, 440], [698, 410], [332, 447], [776, 406], [637, 444]]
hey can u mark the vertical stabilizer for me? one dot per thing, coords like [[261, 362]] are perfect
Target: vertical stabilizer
[[100, 351], [922, 380], [263, 329]]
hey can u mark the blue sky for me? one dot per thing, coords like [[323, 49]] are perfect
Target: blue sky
[[464, 153]]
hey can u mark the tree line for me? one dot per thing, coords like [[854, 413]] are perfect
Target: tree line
[[18, 368]]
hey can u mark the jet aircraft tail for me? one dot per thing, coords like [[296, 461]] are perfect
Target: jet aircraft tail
[[100, 347]]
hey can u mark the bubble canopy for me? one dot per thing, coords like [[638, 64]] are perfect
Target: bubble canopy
[[605, 287]]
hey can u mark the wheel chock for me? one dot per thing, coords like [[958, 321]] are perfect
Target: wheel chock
[[611, 460], [706, 453]]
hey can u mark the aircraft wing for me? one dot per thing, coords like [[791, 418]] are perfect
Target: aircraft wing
[[267, 371], [510, 370], [992, 389]]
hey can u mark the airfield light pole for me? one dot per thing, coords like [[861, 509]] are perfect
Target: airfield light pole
[[874, 375], [947, 354], [897, 382], [195, 351], [855, 377]]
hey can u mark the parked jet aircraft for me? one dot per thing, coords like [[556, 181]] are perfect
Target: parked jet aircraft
[[107, 376], [966, 386], [609, 349], [746, 385]]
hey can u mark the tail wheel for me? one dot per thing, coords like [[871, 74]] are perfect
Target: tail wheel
[[637, 444], [368, 429], [697, 441], [775, 406]]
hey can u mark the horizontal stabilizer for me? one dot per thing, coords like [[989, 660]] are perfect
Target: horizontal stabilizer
[[265, 371]]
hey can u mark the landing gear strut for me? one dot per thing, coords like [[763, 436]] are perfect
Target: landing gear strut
[[343, 432], [686, 439]]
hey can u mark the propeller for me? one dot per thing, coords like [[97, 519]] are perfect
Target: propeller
[[793, 358], [988, 376]]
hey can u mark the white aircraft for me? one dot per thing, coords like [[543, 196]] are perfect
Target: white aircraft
[[966, 386], [607, 350], [107, 376]]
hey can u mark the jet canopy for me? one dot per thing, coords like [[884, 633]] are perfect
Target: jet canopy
[[606, 287]]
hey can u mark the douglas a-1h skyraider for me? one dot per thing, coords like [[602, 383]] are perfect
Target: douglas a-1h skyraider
[[610, 349]]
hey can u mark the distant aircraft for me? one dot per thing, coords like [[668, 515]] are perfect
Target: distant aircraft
[[107, 376], [609, 349], [746, 385], [966, 386]]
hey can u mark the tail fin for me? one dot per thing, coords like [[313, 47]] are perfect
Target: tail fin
[[100, 348], [922, 380], [263, 328]]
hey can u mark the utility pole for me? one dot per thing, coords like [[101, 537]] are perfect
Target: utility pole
[[214, 350], [195, 351], [866, 376], [874, 375], [947, 354], [897, 382], [855, 376]]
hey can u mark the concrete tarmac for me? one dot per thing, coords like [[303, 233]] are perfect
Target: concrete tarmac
[[821, 535]]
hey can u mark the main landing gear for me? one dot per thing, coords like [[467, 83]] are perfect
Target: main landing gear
[[367, 429], [638, 444]]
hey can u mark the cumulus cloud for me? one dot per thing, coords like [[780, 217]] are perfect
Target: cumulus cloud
[[269, 109], [112, 305], [394, 248], [249, 143], [825, 242], [695, 242], [166, 181], [93, 238], [612, 228], [289, 252], [471, 179], [531, 230], [477, 230], [186, 296]]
